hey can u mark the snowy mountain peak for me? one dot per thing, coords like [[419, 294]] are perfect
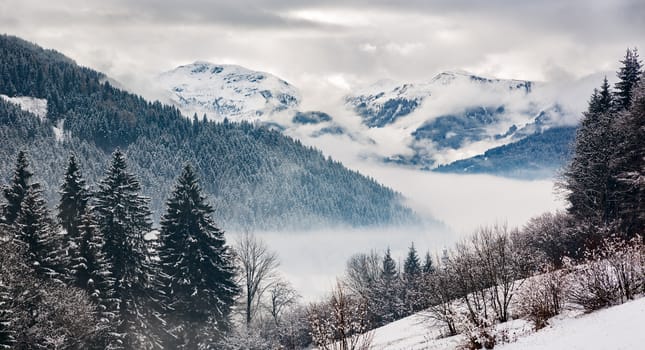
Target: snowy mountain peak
[[228, 91]]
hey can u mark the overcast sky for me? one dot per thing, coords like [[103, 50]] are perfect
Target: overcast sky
[[338, 42]]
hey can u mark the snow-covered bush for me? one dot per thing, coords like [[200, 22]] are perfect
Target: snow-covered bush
[[342, 323], [612, 274], [244, 340], [479, 332], [550, 237], [443, 299], [542, 297], [41, 314]]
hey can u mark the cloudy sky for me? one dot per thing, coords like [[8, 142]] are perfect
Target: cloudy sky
[[339, 43]]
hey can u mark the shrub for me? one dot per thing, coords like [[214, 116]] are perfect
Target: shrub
[[542, 297], [479, 333], [612, 274]]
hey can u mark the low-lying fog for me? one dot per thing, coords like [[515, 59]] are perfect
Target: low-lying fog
[[312, 260]]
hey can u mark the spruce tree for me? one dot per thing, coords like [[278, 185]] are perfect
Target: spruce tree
[[198, 272], [629, 75], [388, 296], [123, 218], [17, 189], [428, 265], [8, 316], [71, 208], [35, 229], [629, 164], [93, 270], [389, 272], [412, 280], [412, 265], [588, 178], [7, 336], [93, 274]]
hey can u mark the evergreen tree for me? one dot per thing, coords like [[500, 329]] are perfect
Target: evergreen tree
[[93, 270], [629, 75], [412, 265], [388, 296], [412, 279], [629, 164], [428, 265], [16, 191], [588, 178], [71, 208], [34, 228], [12, 268], [7, 319], [198, 272], [93, 274], [389, 272], [123, 218]]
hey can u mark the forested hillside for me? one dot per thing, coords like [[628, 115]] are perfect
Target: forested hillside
[[256, 178], [538, 155]]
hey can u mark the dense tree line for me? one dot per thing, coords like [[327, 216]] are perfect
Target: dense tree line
[[604, 180], [90, 279], [259, 178]]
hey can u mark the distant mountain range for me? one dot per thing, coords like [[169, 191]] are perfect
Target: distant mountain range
[[448, 123]]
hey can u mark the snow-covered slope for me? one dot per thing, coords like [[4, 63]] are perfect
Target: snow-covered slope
[[37, 106], [618, 327], [228, 91]]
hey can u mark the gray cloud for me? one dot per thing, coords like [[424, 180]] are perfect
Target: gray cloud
[[356, 41]]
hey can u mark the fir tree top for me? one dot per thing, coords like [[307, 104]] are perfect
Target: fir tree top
[[629, 75], [412, 266], [428, 265], [389, 266], [601, 100], [74, 198], [17, 189]]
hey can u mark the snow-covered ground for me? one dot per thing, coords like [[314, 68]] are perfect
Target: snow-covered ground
[[37, 106], [617, 328]]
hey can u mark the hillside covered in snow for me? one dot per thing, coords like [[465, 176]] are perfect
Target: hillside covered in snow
[[618, 327]]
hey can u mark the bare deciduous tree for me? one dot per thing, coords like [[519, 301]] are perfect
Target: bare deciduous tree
[[258, 267], [363, 272], [281, 297], [341, 323]]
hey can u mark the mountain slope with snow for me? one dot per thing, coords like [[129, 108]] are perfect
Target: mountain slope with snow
[[228, 91], [618, 327]]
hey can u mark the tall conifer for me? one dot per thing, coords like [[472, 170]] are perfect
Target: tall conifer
[[198, 273], [123, 218]]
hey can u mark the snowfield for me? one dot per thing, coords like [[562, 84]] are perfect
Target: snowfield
[[37, 106], [616, 328]]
